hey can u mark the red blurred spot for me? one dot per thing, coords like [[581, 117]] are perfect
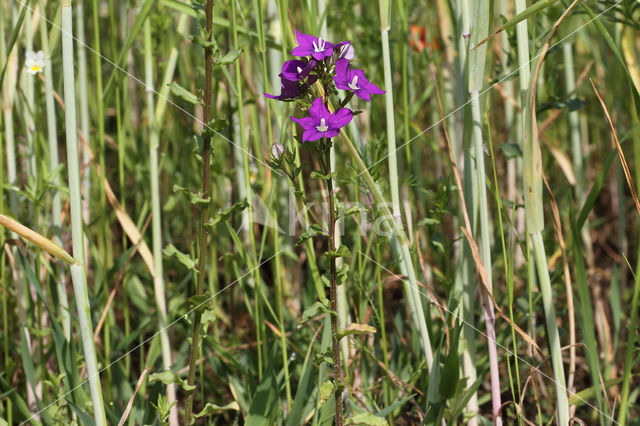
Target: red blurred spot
[[418, 38]]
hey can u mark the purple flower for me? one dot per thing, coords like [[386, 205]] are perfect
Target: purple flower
[[322, 123], [354, 80], [345, 50], [297, 70], [288, 90], [314, 46]]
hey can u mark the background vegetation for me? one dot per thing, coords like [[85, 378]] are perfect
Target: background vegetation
[[487, 208]]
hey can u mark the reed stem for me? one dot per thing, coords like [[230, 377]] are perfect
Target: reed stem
[[78, 272]]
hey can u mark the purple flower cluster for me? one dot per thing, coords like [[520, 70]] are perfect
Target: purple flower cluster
[[328, 64]]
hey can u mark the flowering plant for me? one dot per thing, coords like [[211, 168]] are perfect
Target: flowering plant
[[329, 65]]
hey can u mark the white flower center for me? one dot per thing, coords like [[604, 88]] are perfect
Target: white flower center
[[323, 126], [320, 46], [299, 70], [354, 83]]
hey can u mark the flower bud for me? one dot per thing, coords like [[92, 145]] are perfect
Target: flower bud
[[277, 149]]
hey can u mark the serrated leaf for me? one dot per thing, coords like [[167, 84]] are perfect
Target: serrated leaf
[[218, 123], [354, 210], [192, 197], [170, 250], [230, 57], [343, 274], [317, 175], [208, 316], [199, 302], [429, 221], [210, 409], [184, 94], [168, 377], [314, 310], [310, 232], [355, 328], [224, 215], [342, 251], [325, 391], [366, 419]]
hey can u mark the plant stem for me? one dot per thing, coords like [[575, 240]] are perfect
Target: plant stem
[[204, 209], [477, 59], [156, 211], [56, 208], [413, 296], [534, 214], [78, 273], [333, 295]]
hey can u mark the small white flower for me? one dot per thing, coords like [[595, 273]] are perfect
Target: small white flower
[[35, 62]]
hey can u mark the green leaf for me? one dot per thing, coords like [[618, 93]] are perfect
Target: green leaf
[[355, 328], [199, 302], [210, 409], [354, 210], [218, 123], [192, 197], [314, 310], [230, 57], [343, 274], [511, 150], [317, 175], [224, 215], [264, 404], [429, 221], [450, 375], [342, 251], [312, 231], [170, 250], [366, 419], [208, 316], [390, 409], [325, 392], [184, 94], [168, 377]]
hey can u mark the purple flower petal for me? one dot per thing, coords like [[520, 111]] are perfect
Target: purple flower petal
[[314, 46], [319, 111], [375, 90], [313, 135], [290, 69], [331, 133], [301, 51], [340, 118], [305, 122]]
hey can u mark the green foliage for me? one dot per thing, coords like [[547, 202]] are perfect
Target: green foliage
[[265, 334]]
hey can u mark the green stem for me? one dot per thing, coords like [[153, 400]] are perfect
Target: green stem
[[338, 380], [204, 209], [56, 208], [415, 304], [78, 273], [156, 211]]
